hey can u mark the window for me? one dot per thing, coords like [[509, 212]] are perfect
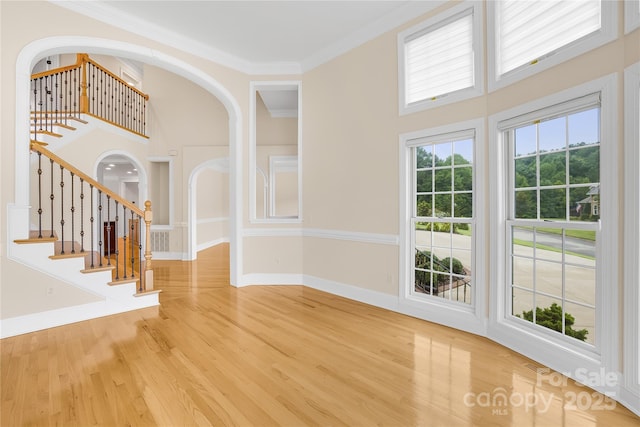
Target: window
[[529, 36], [442, 220], [553, 219], [631, 15], [440, 59]]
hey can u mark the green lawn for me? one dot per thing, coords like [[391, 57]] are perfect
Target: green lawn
[[549, 248]]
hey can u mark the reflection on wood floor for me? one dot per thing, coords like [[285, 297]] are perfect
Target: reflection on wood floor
[[212, 354]]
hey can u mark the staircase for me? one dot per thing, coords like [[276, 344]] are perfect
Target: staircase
[[82, 233]]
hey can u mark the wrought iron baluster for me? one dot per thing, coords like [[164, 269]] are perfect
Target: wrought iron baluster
[[39, 195], [116, 242], [140, 287], [34, 110], [124, 240], [62, 207], [47, 92], [51, 196], [77, 92], [67, 96], [73, 210], [109, 229], [100, 249], [56, 107], [81, 215], [133, 258], [91, 220]]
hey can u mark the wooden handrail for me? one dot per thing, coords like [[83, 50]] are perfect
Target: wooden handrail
[[56, 71], [81, 59], [37, 147], [85, 58]]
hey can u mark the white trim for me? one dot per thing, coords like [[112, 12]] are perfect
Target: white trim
[[220, 164], [631, 318], [478, 50], [254, 87], [212, 243], [352, 236], [266, 279], [73, 44], [166, 159], [280, 164], [212, 220], [437, 314], [631, 15], [142, 172], [107, 14], [367, 296], [170, 256], [555, 353], [272, 232], [471, 318], [607, 33], [63, 316]]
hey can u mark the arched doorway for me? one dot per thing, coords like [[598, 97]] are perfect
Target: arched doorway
[[38, 49]]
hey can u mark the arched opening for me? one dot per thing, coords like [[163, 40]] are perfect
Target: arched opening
[[208, 217], [58, 45]]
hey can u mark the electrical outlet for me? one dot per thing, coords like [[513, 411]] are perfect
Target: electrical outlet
[[50, 290]]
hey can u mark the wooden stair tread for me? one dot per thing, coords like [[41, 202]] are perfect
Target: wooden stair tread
[[46, 132], [151, 292], [71, 250], [33, 237], [123, 281], [78, 119]]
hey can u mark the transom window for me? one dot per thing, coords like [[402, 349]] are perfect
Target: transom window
[[439, 59], [442, 220], [553, 219], [528, 36]]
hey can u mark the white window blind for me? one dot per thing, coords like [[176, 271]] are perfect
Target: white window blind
[[530, 30], [439, 60]]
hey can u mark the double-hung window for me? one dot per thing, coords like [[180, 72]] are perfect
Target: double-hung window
[[442, 221], [439, 60], [553, 217], [527, 36]]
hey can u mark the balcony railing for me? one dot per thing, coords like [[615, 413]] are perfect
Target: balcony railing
[[86, 87]]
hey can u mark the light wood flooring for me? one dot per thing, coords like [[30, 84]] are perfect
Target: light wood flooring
[[212, 354]]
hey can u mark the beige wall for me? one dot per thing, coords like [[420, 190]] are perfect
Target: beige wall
[[350, 156]]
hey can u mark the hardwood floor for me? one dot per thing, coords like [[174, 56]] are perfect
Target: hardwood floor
[[212, 354]]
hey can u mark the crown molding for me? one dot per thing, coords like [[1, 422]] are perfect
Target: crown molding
[[109, 15], [105, 13], [400, 16]]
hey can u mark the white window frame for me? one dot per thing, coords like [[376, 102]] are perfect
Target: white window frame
[[631, 320], [477, 12], [607, 33], [550, 349], [466, 317], [631, 15]]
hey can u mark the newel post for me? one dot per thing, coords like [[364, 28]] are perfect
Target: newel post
[[148, 272], [82, 59]]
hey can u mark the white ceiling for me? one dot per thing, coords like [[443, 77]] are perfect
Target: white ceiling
[[258, 36]]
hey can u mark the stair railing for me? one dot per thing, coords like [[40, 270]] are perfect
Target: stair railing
[[87, 88], [116, 242]]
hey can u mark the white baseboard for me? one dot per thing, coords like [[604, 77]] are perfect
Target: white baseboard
[[212, 243], [63, 316], [271, 279], [169, 256], [630, 399]]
